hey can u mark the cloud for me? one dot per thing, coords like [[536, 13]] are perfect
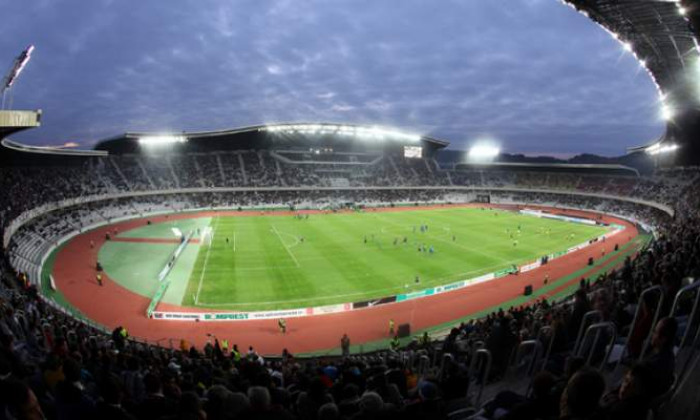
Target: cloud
[[533, 73]]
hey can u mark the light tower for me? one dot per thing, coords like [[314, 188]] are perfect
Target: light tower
[[14, 72]]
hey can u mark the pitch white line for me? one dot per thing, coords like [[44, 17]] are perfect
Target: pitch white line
[[204, 269], [274, 229]]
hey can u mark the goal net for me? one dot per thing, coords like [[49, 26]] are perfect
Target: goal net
[[207, 236]]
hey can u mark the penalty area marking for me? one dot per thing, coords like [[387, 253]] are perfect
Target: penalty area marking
[[274, 229]]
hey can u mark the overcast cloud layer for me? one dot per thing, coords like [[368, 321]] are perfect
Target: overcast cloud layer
[[532, 74]]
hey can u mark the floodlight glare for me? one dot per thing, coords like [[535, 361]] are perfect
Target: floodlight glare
[[161, 140], [627, 46], [666, 113], [657, 148], [483, 151]]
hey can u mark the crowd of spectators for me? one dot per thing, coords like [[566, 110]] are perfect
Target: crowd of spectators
[[30, 187], [53, 366]]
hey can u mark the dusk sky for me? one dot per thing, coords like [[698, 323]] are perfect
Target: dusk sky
[[533, 75]]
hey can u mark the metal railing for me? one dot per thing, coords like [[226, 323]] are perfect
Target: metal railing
[[532, 348], [477, 364], [657, 311], [690, 288], [423, 365], [589, 317], [446, 361], [598, 329], [546, 331]]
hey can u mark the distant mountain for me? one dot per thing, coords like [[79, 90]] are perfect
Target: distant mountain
[[639, 160]]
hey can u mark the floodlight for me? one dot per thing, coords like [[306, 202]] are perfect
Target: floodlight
[[161, 140], [19, 64], [657, 148], [666, 113], [483, 152]]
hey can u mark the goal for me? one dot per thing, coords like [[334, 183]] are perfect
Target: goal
[[207, 236]]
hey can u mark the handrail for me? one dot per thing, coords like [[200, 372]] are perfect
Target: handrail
[[637, 312], [547, 330], [423, 363], [521, 350], [680, 293], [447, 360], [590, 314], [487, 370], [597, 328], [693, 311], [654, 321]]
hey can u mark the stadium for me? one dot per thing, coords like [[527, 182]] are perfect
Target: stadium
[[476, 276]]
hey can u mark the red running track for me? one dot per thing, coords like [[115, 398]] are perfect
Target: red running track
[[112, 305]]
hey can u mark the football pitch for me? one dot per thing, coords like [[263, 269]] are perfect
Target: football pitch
[[279, 262]]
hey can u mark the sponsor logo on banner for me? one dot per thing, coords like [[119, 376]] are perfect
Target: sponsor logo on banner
[[450, 287], [240, 316], [414, 295], [331, 309], [292, 313], [531, 266], [176, 316]]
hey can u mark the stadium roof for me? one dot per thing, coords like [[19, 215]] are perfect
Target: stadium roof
[[663, 35], [249, 137]]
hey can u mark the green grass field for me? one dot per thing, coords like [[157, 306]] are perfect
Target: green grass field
[[262, 263]]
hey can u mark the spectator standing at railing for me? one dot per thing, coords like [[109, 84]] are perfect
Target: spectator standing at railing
[[500, 343], [345, 345]]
